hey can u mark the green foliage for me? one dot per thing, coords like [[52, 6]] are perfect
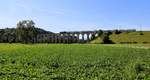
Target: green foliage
[[109, 33], [93, 37], [141, 33], [26, 32], [7, 35], [106, 39], [117, 32], [73, 62], [100, 33]]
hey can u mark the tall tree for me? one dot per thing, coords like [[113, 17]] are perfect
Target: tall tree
[[100, 32], [26, 31]]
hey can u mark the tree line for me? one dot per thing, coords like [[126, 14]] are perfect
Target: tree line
[[25, 32]]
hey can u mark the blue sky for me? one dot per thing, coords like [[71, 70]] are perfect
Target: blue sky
[[77, 15]]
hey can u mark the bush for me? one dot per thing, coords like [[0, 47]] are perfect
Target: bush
[[106, 39], [141, 33], [109, 33], [117, 32]]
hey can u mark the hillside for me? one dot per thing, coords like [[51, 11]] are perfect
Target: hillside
[[97, 41], [127, 37]]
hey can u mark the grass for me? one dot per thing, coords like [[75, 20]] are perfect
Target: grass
[[141, 46], [130, 37], [97, 41], [73, 62]]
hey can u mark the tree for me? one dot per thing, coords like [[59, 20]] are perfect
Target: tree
[[7, 35], [26, 32], [106, 39], [11, 35], [117, 32], [100, 32], [93, 37], [108, 33]]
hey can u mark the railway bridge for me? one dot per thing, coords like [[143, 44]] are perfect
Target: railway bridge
[[80, 36], [67, 37]]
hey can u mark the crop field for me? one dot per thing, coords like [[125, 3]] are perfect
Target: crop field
[[73, 62]]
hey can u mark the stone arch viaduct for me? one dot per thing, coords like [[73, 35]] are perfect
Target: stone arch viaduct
[[81, 36], [67, 37]]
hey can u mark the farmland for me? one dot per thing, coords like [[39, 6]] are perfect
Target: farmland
[[133, 37], [127, 38], [74, 62]]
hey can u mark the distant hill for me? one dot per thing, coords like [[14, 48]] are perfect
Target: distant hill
[[42, 31], [39, 30], [127, 37]]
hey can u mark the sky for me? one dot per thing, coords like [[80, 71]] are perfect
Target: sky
[[77, 15]]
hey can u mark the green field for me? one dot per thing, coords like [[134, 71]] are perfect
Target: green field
[[127, 37], [74, 62], [131, 37]]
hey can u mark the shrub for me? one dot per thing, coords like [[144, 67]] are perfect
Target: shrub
[[141, 33], [106, 39], [117, 32]]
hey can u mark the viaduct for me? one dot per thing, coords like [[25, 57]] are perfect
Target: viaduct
[[67, 37], [71, 36]]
